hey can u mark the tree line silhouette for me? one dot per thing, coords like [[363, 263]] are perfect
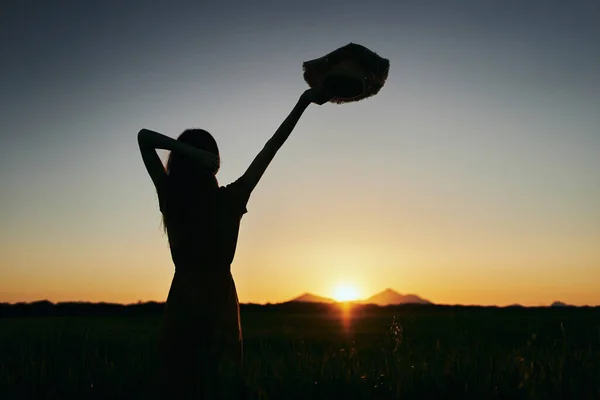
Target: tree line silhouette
[[45, 308]]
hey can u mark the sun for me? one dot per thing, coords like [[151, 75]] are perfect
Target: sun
[[345, 292]]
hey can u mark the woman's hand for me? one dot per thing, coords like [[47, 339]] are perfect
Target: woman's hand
[[318, 96], [209, 160]]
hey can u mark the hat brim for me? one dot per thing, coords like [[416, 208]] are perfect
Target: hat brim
[[351, 73]]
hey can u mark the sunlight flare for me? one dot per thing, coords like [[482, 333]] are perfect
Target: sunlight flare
[[345, 292]]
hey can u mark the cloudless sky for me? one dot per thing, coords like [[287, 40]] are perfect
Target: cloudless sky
[[473, 177]]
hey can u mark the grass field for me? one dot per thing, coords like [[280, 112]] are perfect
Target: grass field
[[405, 352]]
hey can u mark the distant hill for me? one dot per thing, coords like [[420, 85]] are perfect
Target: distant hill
[[311, 298], [385, 298], [391, 297], [559, 304]]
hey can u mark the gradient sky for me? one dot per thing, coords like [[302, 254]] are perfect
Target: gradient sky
[[473, 177]]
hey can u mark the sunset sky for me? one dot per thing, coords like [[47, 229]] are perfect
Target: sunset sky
[[473, 177]]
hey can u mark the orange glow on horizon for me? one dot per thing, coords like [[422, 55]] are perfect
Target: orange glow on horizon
[[345, 292]]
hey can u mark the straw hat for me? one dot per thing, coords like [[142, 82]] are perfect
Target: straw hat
[[351, 73]]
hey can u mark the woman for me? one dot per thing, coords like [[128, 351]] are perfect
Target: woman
[[201, 345]]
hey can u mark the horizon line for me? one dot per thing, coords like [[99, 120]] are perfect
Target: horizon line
[[555, 304]]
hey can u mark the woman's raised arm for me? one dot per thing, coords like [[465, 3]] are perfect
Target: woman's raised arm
[[260, 163]]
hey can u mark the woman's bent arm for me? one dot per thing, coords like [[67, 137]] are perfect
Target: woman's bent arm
[[149, 141]]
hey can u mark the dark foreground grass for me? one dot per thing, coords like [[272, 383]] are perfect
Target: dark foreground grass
[[324, 353]]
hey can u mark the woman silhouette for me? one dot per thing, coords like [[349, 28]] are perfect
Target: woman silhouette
[[201, 343]]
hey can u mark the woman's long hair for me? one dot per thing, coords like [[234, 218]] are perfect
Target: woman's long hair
[[190, 190]]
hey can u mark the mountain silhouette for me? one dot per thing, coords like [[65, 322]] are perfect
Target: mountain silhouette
[[385, 298], [311, 298], [391, 297]]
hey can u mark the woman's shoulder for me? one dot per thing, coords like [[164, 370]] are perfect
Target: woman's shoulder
[[236, 195]]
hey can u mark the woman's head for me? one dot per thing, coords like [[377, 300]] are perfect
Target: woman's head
[[190, 184], [182, 165]]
